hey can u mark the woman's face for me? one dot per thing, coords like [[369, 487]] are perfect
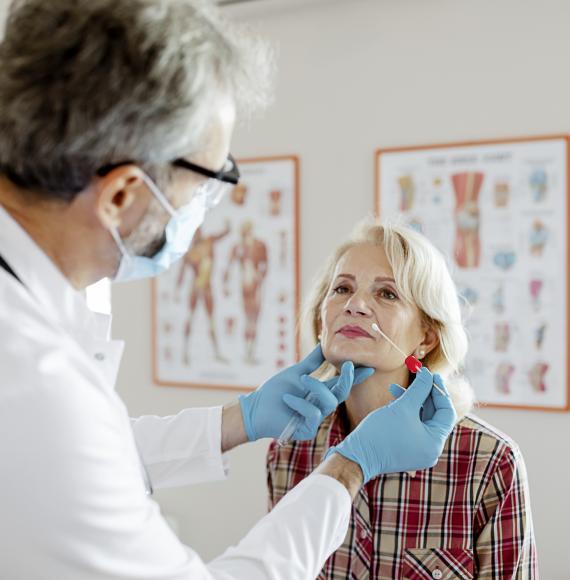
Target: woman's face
[[363, 292]]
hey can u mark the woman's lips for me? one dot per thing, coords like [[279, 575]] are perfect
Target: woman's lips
[[350, 331]]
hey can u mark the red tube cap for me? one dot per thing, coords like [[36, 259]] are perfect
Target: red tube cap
[[413, 364]]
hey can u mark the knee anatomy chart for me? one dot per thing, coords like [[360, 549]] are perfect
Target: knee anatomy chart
[[499, 213], [226, 316]]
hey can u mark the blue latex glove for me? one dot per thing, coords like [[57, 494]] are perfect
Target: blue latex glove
[[428, 408], [267, 410], [394, 438]]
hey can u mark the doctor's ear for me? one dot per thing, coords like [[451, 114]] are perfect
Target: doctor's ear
[[122, 198]]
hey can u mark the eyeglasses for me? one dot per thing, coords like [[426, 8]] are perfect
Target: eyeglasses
[[218, 184]]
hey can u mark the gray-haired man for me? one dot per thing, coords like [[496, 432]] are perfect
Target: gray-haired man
[[115, 125]]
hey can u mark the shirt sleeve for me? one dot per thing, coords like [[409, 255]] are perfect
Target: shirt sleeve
[[182, 449], [75, 506], [294, 540], [505, 546]]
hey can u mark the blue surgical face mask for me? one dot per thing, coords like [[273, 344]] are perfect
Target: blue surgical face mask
[[179, 233]]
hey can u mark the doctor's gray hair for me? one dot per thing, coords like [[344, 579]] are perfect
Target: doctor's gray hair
[[423, 279], [87, 83]]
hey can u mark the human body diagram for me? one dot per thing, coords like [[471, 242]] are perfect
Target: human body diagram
[[467, 186], [251, 255], [200, 260], [498, 211]]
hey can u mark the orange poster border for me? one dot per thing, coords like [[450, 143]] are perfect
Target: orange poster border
[[297, 216], [564, 137]]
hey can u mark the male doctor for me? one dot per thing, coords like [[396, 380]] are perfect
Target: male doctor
[[115, 126]]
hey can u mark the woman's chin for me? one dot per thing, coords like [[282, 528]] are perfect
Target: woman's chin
[[338, 356]]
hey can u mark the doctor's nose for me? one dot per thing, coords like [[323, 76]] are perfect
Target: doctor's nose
[[357, 305]]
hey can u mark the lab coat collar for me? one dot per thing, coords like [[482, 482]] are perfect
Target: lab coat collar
[[62, 303]]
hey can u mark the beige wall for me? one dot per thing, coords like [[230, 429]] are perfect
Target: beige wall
[[355, 75]]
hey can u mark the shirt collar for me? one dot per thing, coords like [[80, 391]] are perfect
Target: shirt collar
[[64, 304]]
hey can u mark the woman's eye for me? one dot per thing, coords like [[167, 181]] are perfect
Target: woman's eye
[[388, 294], [341, 289]]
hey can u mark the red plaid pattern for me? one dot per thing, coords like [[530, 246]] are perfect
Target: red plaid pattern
[[467, 517]]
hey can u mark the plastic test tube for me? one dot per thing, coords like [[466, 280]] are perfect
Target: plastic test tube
[[294, 423]]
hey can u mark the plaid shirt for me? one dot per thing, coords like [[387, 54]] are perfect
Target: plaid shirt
[[467, 517]]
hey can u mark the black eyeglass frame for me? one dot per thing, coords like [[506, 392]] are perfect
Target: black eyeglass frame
[[226, 176], [229, 176]]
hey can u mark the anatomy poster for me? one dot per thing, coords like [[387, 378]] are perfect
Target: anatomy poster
[[498, 211], [226, 315]]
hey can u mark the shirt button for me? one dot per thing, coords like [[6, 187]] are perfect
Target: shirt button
[[437, 574], [363, 534], [99, 356]]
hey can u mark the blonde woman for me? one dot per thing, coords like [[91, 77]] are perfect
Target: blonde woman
[[468, 516]]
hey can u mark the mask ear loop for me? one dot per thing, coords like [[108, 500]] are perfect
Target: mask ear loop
[[120, 244], [163, 202], [159, 195]]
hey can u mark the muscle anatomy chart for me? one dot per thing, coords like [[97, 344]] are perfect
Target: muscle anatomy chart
[[226, 315], [498, 212]]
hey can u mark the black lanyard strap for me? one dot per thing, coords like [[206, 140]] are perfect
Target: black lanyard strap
[[6, 266]]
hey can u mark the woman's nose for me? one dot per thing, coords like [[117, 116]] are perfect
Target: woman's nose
[[357, 306]]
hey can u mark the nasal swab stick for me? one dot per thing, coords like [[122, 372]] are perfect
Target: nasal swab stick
[[413, 364]]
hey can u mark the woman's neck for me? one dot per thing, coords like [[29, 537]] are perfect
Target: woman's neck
[[373, 394]]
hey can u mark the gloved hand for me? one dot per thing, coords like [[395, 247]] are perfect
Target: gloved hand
[[267, 410], [394, 438], [428, 409]]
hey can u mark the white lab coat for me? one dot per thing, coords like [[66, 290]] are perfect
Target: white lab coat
[[72, 498]]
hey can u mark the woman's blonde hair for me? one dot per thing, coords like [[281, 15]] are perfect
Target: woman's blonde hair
[[422, 278]]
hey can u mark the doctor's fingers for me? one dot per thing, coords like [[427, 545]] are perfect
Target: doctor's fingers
[[320, 394], [428, 408], [417, 393], [361, 374], [311, 413], [349, 376], [445, 416], [396, 390], [312, 361]]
